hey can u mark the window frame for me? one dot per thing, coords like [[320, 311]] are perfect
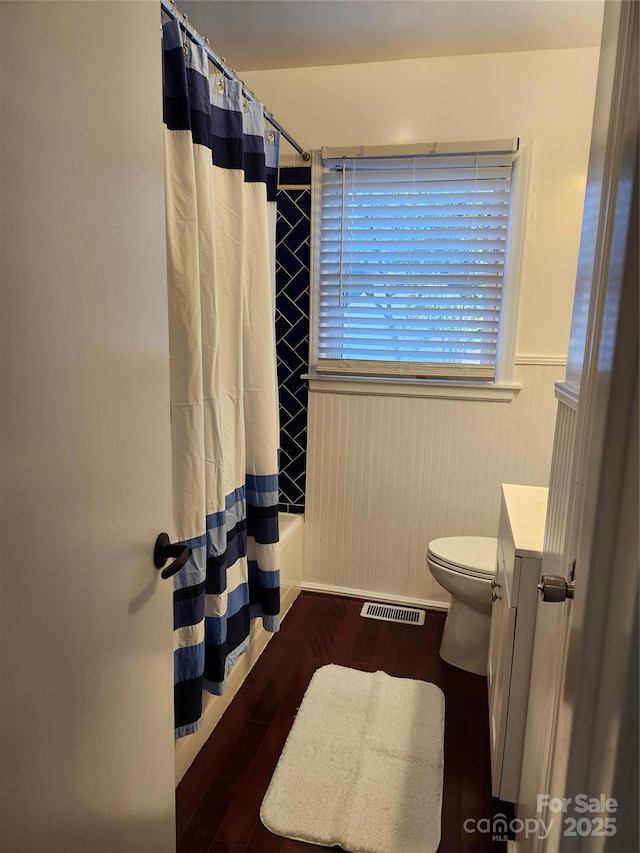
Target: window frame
[[502, 388]]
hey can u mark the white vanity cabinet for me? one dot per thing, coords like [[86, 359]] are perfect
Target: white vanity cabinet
[[515, 597]]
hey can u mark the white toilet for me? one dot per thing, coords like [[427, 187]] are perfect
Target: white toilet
[[465, 567]]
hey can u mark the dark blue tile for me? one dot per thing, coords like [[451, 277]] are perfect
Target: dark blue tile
[[292, 334], [298, 236], [293, 329], [294, 471], [295, 175], [297, 425]]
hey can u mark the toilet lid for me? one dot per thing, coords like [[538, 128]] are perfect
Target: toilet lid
[[477, 553]]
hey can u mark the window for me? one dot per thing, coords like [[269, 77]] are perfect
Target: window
[[410, 257]]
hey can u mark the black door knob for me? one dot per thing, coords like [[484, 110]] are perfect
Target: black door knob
[[164, 550]]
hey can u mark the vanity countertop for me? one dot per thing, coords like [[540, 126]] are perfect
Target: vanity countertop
[[526, 508]]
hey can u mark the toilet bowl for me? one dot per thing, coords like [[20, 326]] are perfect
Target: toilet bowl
[[465, 567]]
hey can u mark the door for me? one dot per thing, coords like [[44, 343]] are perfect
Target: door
[[574, 740], [87, 717]]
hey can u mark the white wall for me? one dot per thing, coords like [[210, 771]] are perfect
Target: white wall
[[543, 96]]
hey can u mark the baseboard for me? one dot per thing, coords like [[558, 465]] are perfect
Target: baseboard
[[213, 707], [427, 603]]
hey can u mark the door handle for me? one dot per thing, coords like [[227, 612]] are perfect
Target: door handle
[[164, 550], [555, 588]]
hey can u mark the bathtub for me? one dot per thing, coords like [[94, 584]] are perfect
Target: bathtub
[[291, 556]]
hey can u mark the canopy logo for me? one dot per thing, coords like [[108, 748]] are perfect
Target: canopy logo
[[582, 816], [500, 828]]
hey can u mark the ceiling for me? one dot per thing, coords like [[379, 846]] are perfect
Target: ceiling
[[262, 34]]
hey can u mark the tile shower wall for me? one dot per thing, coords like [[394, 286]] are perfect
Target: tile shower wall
[[293, 239]]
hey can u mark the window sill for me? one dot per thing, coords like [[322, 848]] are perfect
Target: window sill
[[398, 387]]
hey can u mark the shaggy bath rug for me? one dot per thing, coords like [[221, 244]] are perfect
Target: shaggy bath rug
[[362, 766]]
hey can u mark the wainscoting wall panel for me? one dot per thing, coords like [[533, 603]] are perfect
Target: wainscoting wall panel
[[387, 474]]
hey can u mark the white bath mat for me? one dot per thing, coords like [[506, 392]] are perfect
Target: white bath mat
[[362, 766]]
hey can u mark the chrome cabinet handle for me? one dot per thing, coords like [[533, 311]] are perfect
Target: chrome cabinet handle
[[164, 550], [496, 597], [495, 584]]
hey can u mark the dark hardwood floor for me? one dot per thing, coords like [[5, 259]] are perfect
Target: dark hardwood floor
[[218, 801]]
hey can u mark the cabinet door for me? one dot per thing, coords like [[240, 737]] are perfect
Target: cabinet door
[[503, 622]]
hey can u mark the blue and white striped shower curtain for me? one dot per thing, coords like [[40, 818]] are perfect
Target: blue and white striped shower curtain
[[221, 167]]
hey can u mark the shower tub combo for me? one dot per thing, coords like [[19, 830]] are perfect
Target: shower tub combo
[[213, 707]]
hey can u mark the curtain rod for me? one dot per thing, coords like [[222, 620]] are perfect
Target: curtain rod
[[170, 9]]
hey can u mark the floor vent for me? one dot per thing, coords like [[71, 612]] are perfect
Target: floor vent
[[390, 613]]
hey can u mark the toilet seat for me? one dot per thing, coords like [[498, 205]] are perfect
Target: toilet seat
[[474, 556]]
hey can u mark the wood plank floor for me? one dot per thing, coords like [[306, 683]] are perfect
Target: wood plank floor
[[218, 801]]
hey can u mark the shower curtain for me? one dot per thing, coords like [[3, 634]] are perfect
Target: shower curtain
[[221, 167]]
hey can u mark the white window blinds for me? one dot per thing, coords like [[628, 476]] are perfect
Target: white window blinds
[[412, 253]]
